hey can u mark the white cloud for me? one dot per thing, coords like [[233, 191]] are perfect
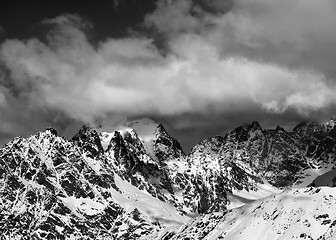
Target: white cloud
[[295, 34], [264, 56], [129, 76]]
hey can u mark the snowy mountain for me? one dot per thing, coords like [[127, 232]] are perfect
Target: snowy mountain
[[285, 159], [158, 144], [53, 188], [132, 180], [306, 213]]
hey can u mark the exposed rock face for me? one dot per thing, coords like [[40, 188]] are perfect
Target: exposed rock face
[[163, 177], [283, 158], [165, 147], [135, 181], [55, 188], [88, 140], [327, 179], [50, 189]]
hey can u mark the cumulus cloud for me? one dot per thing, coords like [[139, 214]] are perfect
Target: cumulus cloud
[[288, 43], [249, 56], [297, 34], [130, 76]]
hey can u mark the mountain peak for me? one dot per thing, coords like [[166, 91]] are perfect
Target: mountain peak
[[308, 127], [51, 131], [279, 128], [251, 126], [329, 125], [298, 127], [88, 138], [160, 130], [144, 127], [255, 125]]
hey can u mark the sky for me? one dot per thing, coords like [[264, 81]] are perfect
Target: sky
[[200, 67]]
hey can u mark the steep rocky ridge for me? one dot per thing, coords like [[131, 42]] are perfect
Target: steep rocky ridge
[[155, 162], [285, 159], [135, 181], [54, 188]]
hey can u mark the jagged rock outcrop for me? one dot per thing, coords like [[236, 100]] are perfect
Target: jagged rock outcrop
[[136, 181], [161, 174], [88, 140], [165, 147], [52, 189], [283, 158]]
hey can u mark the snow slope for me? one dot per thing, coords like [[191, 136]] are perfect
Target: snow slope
[[307, 213], [130, 197], [240, 197]]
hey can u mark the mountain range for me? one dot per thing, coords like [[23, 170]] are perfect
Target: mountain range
[[132, 180]]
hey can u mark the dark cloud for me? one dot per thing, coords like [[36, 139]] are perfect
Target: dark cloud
[[225, 63], [116, 4], [215, 6], [20, 118]]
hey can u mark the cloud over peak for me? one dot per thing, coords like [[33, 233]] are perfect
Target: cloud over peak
[[260, 56]]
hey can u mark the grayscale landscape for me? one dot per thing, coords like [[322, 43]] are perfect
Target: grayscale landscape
[[168, 119]]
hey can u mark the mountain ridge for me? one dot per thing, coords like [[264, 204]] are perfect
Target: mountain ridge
[[52, 187]]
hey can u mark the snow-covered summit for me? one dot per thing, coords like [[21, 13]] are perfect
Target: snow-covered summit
[[158, 144], [131, 179], [54, 188], [144, 128]]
